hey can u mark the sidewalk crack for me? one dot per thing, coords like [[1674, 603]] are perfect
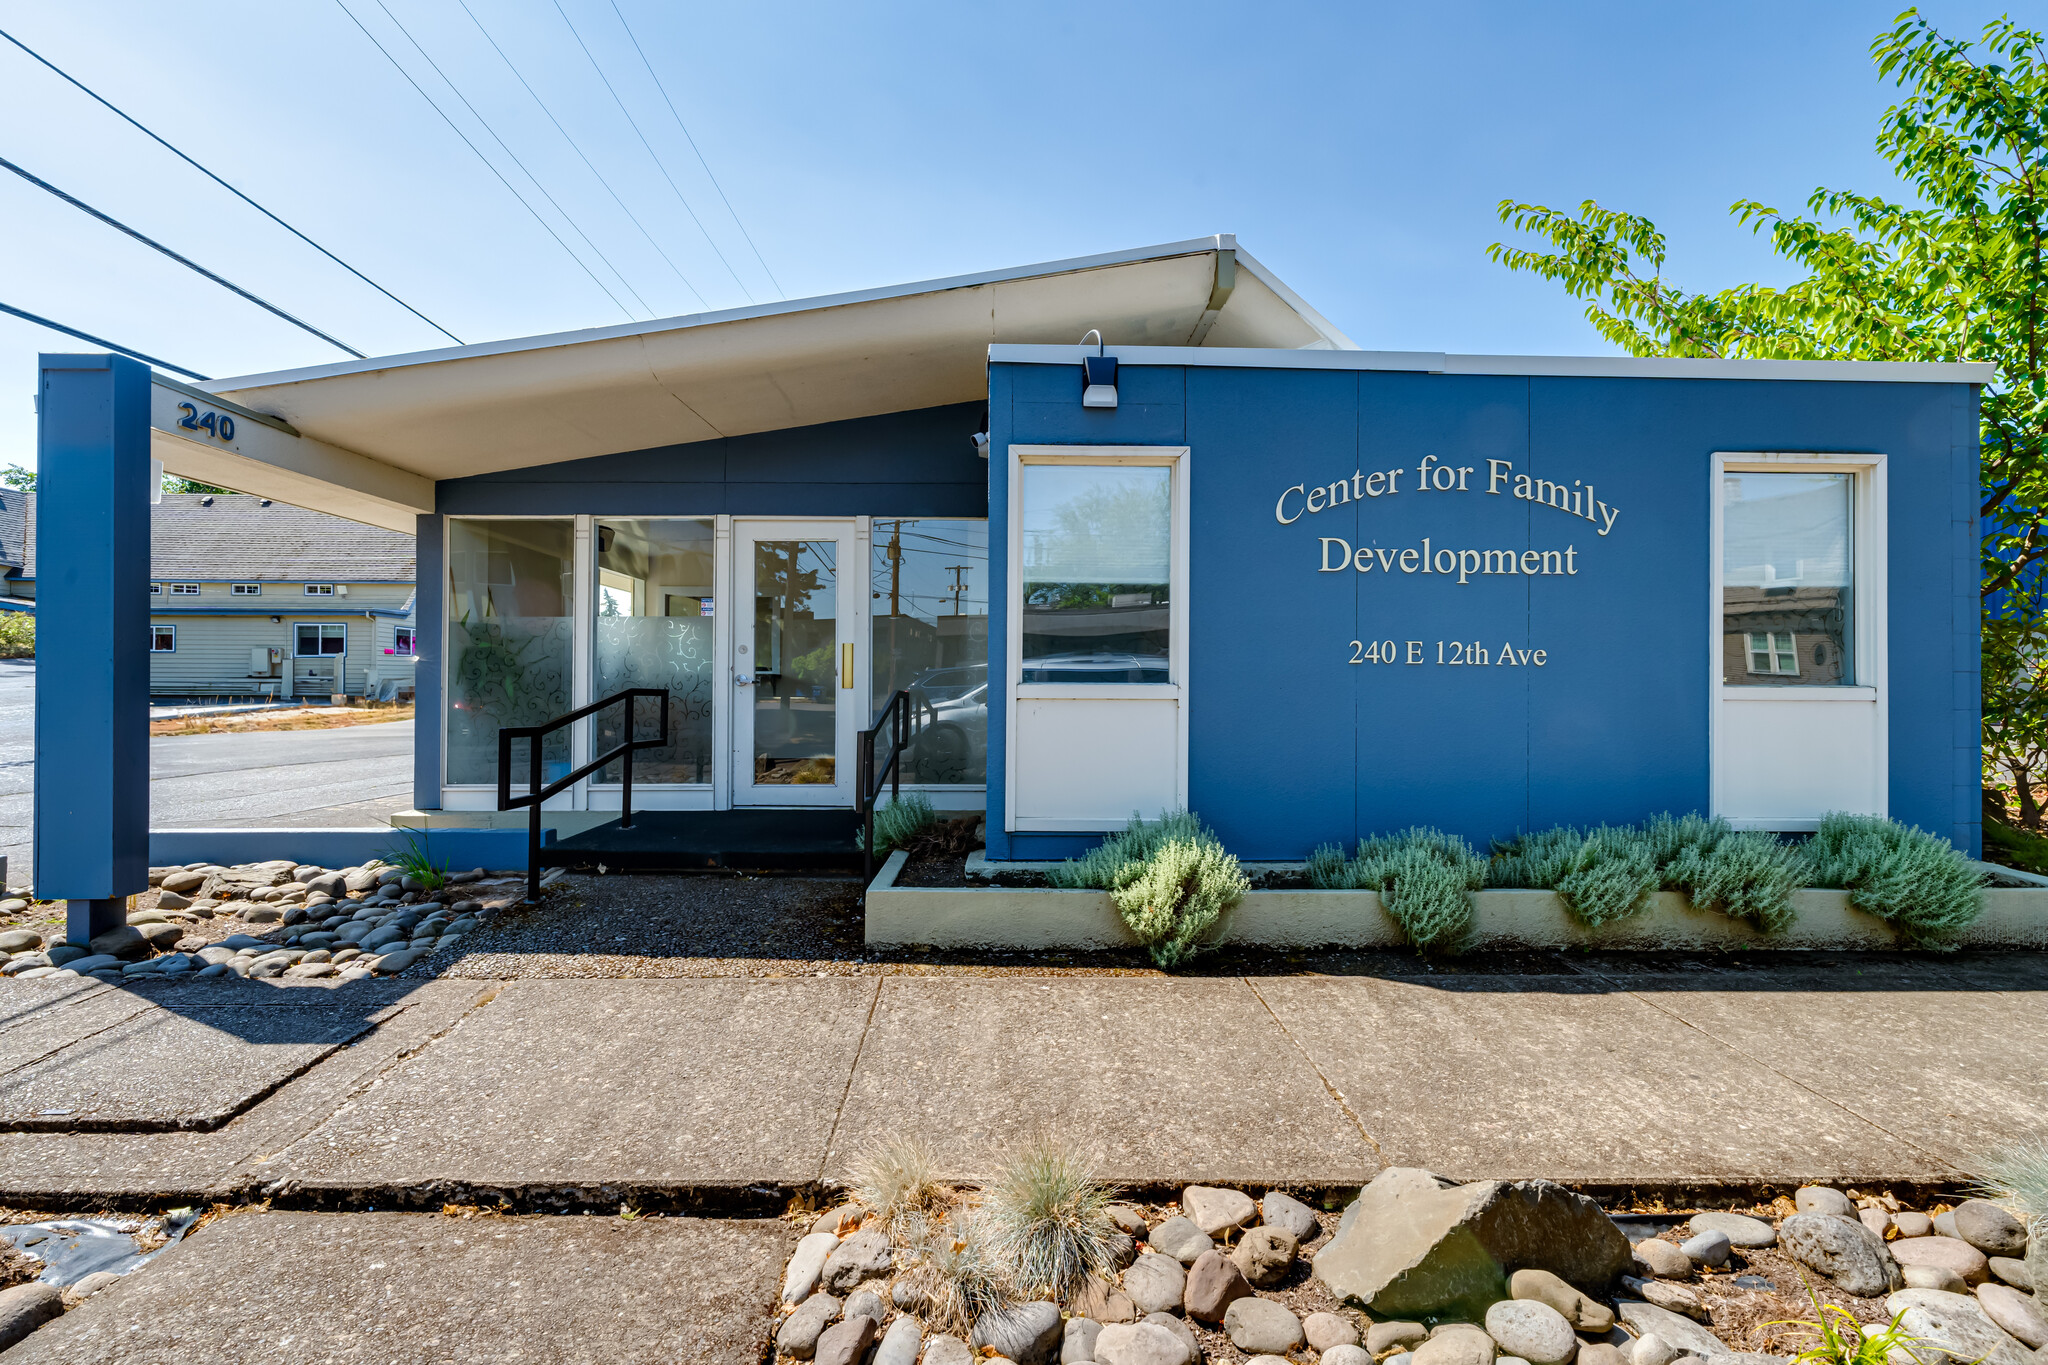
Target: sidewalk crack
[[839, 1113], [1334, 1093]]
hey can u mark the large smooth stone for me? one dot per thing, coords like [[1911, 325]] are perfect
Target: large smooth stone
[[1217, 1211], [1711, 1247], [1739, 1228], [1851, 1256], [1912, 1224], [1382, 1337], [1584, 1313], [1531, 1330], [1468, 1347], [945, 1350], [1155, 1283], [900, 1343], [1261, 1325], [1214, 1283], [1077, 1340], [2017, 1313], [1934, 1277], [2013, 1272], [1409, 1247], [1990, 1229], [1026, 1333], [1821, 1199], [1955, 1330], [798, 1336], [1265, 1255], [25, 1308], [1327, 1330], [855, 1259], [1663, 1259], [1949, 1253], [122, 941], [1138, 1343], [19, 940], [1179, 1238], [844, 1343], [1346, 1354], [1682, 1333], [1284, 1211]]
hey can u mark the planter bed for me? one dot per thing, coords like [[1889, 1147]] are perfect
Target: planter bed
[[1034, 918]]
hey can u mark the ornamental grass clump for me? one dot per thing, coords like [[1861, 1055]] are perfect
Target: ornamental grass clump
[[2017, 1177], [1838, 1337], [956, 1275], [1170, 880], [1917, 882], [1424, 878], [896, 1181], [1602, 874], [1047, 1220]]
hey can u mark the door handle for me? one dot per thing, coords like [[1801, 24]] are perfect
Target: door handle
[[846, 665], [743, 680]]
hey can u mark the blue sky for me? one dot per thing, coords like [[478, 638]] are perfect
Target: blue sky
[[1358, 150]]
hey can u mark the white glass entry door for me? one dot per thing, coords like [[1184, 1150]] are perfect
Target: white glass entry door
[[798, 661]]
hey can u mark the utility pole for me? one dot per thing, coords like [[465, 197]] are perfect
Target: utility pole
[[895, 566], [959, 583]]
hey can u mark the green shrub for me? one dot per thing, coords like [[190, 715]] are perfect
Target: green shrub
[[1601, 875], [897, 823], [1747, 874], [1424, 878], [18, 635], [2023, 848], [1170, 879], [1918, 882], [416, 858]]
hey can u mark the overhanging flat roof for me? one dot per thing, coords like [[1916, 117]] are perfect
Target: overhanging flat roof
[[378, 432]]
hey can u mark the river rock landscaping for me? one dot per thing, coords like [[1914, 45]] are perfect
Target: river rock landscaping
[[1037, 1266], [278, 919]]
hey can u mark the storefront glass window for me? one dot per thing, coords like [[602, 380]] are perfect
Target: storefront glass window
[[654, 615], [929, 581], [1096, 550], [509, 642], [1787, 585]]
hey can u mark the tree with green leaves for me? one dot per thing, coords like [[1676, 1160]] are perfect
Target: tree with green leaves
[[1960, 272]]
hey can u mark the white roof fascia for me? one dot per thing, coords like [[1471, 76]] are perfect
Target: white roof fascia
[[1219, 242], [1322, 326], [1568, 367]]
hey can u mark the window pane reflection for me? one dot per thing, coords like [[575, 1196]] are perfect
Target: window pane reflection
[[655, 612], [509, 627], [796, 661], [929, 580], [1097, 549], [1787, 587]]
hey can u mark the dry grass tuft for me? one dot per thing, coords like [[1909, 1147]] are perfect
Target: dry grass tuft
[[896, 1180], [1047, 1219]]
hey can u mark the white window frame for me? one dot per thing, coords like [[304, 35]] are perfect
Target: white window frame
[[319, 590], [156, 590], [1179, 460], [184, 590], [1771, 652], [322, 627], [411, 647], [1869, 515], [156, 631], [245, 590]]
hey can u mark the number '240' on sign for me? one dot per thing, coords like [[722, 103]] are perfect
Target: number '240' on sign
[[216, 424]]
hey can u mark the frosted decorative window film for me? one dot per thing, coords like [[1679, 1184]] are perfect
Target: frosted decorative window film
[[510, 630], [655, 611]]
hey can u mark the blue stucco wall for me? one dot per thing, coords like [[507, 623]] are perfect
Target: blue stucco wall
[[1291, 745], [920, 463]]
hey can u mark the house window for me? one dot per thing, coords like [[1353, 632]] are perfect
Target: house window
[[319, 590], [184, 590], [163, 639], [1774, 652], [246, 589], [156, 590], [1097, 547], [316, 639], [401, 640]]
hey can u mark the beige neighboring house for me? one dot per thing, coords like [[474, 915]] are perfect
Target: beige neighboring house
[[253, 598]]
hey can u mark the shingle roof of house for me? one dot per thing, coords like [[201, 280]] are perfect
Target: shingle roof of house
[[237, 537], [208, 538]]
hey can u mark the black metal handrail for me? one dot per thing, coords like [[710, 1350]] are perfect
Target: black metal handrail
[[896, 715], [536, 793]]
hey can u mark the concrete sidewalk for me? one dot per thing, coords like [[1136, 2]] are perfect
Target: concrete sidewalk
[[735, 1089]]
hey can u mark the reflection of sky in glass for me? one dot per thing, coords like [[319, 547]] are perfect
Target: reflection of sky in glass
[[1785, 530], [1095, 524], [931, 548]]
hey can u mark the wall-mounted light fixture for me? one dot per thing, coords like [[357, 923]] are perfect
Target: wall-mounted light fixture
[[980, 439], [1098, 375]]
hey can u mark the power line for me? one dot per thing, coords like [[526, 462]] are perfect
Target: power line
[[477, 114], [655, 156], [232, 190], [488, 164], [185, 261], [700, 155], [101, 341], [579, 151]]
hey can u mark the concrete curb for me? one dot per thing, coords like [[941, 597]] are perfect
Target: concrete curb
[[1028, 919]]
